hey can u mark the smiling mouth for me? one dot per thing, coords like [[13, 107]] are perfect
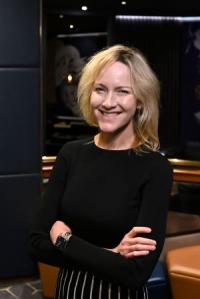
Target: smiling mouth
[[110, 113]]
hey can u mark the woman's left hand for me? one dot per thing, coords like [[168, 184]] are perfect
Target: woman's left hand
[[58, 228], [133, 245]]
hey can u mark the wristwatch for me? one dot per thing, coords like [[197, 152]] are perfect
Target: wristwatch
[[63, 239]]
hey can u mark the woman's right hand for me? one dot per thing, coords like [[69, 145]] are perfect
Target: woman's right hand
[[131, 245]]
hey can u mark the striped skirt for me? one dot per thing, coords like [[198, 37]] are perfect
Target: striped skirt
[[74, 284]]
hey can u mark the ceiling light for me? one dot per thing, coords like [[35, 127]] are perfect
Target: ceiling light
[[69, 78], [84, 7], [159, 18], [71, 26], [123, 3]]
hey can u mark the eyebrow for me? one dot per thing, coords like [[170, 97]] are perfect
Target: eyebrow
[[120, 86]]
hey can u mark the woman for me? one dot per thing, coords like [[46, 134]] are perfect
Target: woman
[[103, 216]]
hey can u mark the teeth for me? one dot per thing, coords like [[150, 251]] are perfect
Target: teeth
[[103, 112]]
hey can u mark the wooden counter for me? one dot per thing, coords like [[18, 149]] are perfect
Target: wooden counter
[[186, 170]]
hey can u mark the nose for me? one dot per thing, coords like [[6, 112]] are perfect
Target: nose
[[109, 101]]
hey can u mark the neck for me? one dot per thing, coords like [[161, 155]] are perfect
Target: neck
[[114, 141]]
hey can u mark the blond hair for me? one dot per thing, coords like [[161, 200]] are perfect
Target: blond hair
[[145, 85]]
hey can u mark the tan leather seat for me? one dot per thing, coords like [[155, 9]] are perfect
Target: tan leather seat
[[183, 265], [48, 276]]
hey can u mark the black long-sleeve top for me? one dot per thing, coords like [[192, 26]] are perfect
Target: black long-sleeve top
[[101, 194]]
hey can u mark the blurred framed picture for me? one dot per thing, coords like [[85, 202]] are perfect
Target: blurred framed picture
[[66, 56]]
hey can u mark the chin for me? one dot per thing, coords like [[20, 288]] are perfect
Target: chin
[[108, 129]]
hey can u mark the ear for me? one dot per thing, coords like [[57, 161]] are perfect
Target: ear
[[139, 106]]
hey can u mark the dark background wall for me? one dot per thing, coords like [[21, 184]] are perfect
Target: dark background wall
[[190, 76], [160, 41], [19, 131], [172, 48]]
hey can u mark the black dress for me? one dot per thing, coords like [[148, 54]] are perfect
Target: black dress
[[101, 194]]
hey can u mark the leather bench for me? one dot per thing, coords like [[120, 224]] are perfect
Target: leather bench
[[183, 266], [48, 277]]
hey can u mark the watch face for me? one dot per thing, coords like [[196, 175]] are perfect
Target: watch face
[[60, 242]]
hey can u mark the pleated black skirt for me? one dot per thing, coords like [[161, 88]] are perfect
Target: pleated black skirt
[[75, 284]]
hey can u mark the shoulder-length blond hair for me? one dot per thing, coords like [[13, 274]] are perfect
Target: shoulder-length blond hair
[[145, 86]]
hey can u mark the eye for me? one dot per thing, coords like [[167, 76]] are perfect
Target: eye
[[124, 91], [99, 89]]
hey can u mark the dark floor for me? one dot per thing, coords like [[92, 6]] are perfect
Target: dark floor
[[19, 289]]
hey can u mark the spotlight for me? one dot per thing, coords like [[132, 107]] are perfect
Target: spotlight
[[84, 7]]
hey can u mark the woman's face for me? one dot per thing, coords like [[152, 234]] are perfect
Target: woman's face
[[112, 99]]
